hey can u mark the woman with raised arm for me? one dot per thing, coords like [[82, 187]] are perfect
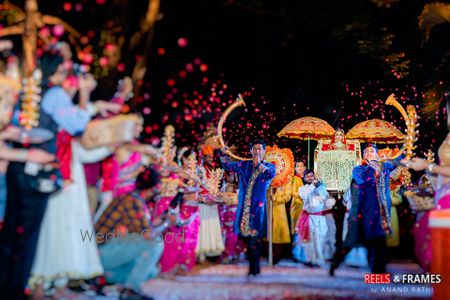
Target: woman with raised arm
[[181, 240], [441, 179]]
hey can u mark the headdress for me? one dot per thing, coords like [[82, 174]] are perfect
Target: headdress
[[207, 150], [333, 139]]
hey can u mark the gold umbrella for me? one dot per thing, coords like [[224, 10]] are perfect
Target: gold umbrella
[[376, 131], [307, 128]]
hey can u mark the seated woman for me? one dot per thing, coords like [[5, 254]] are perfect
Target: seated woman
[[334, 161]]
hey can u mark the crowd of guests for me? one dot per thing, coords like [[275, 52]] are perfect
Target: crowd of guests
[[127, 212], [122, 213]]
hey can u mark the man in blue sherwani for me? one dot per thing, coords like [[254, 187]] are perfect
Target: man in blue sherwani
[[374, 206], [370, 222], [255, 177]]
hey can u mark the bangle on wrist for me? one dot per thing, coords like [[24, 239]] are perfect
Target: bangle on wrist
[[430, 168], [23, 155], [91, 108]]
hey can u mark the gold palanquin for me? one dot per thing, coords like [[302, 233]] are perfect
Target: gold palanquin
[[334, 167]]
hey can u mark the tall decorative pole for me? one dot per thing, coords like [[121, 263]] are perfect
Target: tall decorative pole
[[309, 150], [270, 229], [27, 23], [29, 37]]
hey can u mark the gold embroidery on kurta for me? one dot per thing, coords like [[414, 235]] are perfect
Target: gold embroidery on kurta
[[245, 222]]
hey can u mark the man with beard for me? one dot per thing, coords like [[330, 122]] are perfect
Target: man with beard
[[312, 225]]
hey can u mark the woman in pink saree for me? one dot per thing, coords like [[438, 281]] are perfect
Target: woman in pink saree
[[227, 216], [180, 241], [129, 165]]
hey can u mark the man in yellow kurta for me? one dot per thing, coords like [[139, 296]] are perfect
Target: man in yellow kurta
[[281, 233], [297, 202], [296, 209], [280, 229]]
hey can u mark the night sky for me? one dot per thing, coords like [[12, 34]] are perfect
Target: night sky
[[290, 58], [336, 60]]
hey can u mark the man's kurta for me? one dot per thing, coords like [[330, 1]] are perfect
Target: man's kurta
[[374, 203], [251, 214]]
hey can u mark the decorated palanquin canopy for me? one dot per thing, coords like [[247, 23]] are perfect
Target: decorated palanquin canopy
[[307, 128], [283, 159], [376, 131]]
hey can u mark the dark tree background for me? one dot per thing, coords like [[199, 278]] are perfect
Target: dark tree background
[[299, 55], [337, 60]]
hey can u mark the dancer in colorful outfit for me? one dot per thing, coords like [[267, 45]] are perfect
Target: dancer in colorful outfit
[[296, 209], [119, 173], [9, 89], [251, 218], [228, 215], [210, 241], [30, 192], [179, 252], [60, 254], [107, 167], [397, 187]]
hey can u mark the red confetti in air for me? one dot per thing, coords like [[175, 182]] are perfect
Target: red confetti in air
[[182, 42], [67, 6]]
